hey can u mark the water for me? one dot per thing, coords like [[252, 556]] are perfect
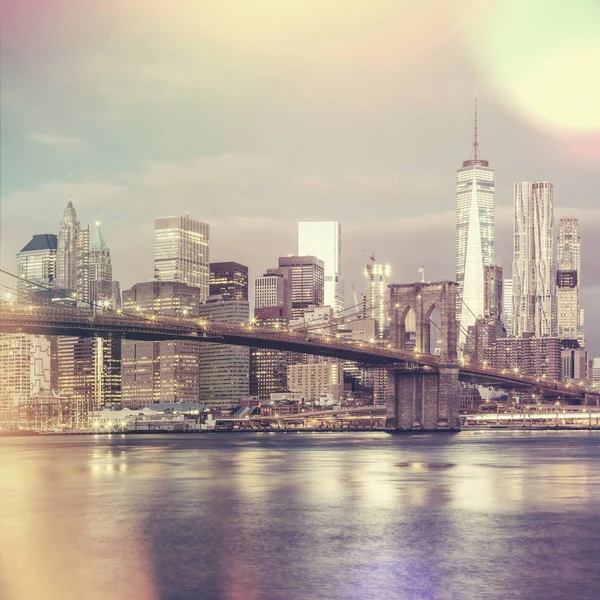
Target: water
[[298, 516]]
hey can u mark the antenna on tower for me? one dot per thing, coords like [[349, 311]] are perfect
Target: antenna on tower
[[475, 141]]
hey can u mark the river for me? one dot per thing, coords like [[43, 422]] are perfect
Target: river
[[476, 515]]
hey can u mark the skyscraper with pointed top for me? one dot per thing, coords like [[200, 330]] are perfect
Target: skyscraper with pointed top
[[66, 252], [474, 233], [100, 267]]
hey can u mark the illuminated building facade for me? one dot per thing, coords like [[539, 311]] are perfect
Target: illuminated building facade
[[507, 302], [224, 369], [316, 378], [160, 371], [530, 356], [568, 282], [182, 252], [474, 234], [36, 263], [269, 291], [305, 277], [534, 283], [229, 280], [25, 369], [493, 286], [378, 279], [324, 240]]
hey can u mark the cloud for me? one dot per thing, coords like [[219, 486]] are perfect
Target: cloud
[[62, 142]]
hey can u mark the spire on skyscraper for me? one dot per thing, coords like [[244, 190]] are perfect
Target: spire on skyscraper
[[475, 160], [475, 142]]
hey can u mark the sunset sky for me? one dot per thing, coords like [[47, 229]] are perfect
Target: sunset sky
[[254, 114]]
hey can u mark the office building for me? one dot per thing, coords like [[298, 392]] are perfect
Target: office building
[[530, 356], [574, 368], [305, 277], [568, 282], [474, 234], [166, 371], [229, 280], [224, 369], [269, 291], [316, 379], [67, 251], [324, 241], [100, 269], [182, 252], [534, 283], [507, 303], [89, 372], [82, 293], [25, 369], [378, 295], [596, 373], [493, 297], [36, 264]]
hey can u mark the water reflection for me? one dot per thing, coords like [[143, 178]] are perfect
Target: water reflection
[[243, 517]]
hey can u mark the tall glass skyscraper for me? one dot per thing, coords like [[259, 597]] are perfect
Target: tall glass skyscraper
[[181, 252], [378, 278], [36, 263], [534, 271], [324, 240], [474, 234]]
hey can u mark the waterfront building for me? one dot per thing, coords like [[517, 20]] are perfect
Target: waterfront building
[[568, 281], [36, 264], [469, 398], [324, 240], [224, 369], [534, 283], [529, 356], [165, 371], [25, 369], [67, 250], [596, 373], [229, 280], [474, 233], [100, 269], [182, 252], [315, 379], [89, 372], [377, 276]]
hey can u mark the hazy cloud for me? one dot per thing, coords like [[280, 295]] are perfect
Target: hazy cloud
[[62, 142]]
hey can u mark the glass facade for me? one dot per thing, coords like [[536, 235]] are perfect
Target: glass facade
[[36, 263], [306, 279], [378, 279], [324, 240], [182, 252], [474, 238], [229, 280], [534, 271]]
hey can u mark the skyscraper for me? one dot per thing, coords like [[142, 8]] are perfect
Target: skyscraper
[[474, 233], [305, 277], [493, 293], [568, 280], [378, 278], [182, 252], [66, 253], [507, 303], [229, 280], [534, 271], [100, 268], [36, 263], [83, 265], [324, 240], [224, 369]]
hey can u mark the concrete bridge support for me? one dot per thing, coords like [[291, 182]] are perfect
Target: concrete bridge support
[[420, 399]]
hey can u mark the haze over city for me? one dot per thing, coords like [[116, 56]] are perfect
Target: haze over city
[[279, 113]]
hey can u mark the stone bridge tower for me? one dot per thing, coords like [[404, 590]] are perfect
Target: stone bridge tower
[[424, 399]]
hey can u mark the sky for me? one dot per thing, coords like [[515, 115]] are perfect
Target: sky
[[254, 114]]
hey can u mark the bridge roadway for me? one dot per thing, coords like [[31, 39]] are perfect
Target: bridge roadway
[[69, 321]]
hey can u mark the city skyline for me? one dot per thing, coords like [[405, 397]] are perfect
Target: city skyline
[[383, 163]]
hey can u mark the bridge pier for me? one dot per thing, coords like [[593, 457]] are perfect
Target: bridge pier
[[423, 401]]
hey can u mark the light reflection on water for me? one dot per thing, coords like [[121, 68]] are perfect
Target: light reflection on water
[[243, 517]]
